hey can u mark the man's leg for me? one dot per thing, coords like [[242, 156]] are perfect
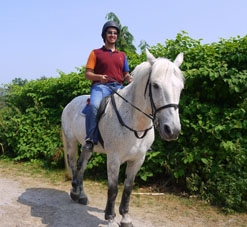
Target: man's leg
[[98, 92]]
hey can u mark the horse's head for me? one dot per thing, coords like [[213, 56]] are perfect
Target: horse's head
[[164, 85]]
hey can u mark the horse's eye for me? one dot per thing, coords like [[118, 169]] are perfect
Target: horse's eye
[[156, 86]]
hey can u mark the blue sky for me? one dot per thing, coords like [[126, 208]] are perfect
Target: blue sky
[[40, 37]]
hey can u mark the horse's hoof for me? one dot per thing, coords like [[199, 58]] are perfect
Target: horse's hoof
[[83, 201], [126, 221], [83, 198], [74, 196], [112, 223], [126, 225]]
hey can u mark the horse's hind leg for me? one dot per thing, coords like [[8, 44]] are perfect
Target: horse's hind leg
[[77, 167], [81, 166]]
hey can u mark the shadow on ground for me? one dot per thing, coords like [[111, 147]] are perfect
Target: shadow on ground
[[56, 209]]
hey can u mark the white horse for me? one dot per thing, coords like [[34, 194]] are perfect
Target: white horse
[[126, 127]]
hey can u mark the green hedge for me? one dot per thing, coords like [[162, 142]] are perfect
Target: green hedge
[[210, 156], [208, 159]]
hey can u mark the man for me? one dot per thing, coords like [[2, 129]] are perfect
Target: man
[[107, 68]]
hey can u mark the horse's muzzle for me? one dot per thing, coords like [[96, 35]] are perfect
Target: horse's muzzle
[[169, 132]]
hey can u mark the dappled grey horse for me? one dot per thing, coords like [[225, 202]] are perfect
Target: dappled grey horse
[[126, 128]]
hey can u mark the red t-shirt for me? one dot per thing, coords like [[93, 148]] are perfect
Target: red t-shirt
[[106, 62]]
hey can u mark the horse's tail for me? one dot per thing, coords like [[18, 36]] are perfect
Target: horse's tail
[[68, 173]]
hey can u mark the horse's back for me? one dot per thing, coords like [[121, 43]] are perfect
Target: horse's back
[[75, 105]]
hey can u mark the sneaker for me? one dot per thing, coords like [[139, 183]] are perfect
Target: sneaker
[[88, 146]]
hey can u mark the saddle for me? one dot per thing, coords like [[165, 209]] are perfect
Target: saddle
[[101, 109]]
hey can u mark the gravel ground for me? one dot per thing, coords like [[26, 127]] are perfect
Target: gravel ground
[[27, 202], [35, 201]]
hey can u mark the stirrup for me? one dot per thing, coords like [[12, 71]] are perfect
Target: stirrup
[[88, 146]]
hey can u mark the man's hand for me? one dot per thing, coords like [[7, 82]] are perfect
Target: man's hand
[[128, 78], [104, 79]]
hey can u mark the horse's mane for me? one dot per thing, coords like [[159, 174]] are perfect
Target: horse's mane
[[164, 64], [144, 68], [160, 65]]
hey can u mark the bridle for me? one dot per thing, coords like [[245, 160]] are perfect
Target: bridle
[[155, 110], [152, 116]]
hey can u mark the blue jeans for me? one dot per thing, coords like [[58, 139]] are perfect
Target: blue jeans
[[98, 92]]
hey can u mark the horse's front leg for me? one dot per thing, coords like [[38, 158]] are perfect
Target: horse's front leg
[[131, 171], [113, 166], [77, 192]]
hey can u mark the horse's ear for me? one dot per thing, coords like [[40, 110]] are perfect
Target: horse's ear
[[179, 59], [150, 57]]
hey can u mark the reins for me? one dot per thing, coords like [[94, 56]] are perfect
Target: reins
[[122, 122], [134, 106]]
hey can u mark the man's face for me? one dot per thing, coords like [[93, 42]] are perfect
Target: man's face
[[111, 35]]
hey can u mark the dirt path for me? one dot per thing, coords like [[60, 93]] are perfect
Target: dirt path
[[28, 201]]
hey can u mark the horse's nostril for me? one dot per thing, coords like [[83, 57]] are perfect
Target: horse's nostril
[[167, 129]]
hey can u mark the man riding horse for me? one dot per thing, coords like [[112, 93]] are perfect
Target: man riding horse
[[107, 68]]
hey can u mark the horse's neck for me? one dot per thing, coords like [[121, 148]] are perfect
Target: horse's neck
[[135, 96]]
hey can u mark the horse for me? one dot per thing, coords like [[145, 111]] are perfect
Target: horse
[[126, 127]]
